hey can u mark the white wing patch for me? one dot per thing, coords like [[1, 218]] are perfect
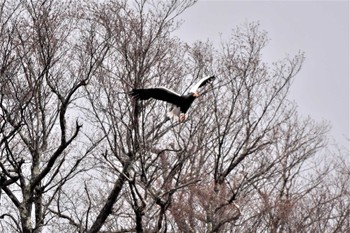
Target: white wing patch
[[195, 87], [164, 88]]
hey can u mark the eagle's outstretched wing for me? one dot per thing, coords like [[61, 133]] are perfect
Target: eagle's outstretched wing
[[201, 83], [159, 93]]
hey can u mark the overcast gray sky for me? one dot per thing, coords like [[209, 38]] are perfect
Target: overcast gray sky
[[319, 28]]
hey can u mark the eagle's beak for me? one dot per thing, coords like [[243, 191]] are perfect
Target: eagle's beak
[[196, 94]]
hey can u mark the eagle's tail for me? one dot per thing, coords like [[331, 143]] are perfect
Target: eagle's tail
[[174, 113]]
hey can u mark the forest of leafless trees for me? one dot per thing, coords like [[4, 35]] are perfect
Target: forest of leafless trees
[[77, 154]]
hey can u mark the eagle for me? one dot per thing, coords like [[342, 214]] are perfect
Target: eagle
[[181, 102]]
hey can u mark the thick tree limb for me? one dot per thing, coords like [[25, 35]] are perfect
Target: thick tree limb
[[112, 198]]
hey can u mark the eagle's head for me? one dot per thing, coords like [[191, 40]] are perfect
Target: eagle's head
[[195, 94]]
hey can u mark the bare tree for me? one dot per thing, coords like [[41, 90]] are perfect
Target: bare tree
[[145, 55], [79, 155], [42, 73], [257, 152]]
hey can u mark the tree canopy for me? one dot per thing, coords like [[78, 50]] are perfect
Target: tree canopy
[[77, 154]]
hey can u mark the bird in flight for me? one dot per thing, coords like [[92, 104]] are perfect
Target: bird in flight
[[181, 102]]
